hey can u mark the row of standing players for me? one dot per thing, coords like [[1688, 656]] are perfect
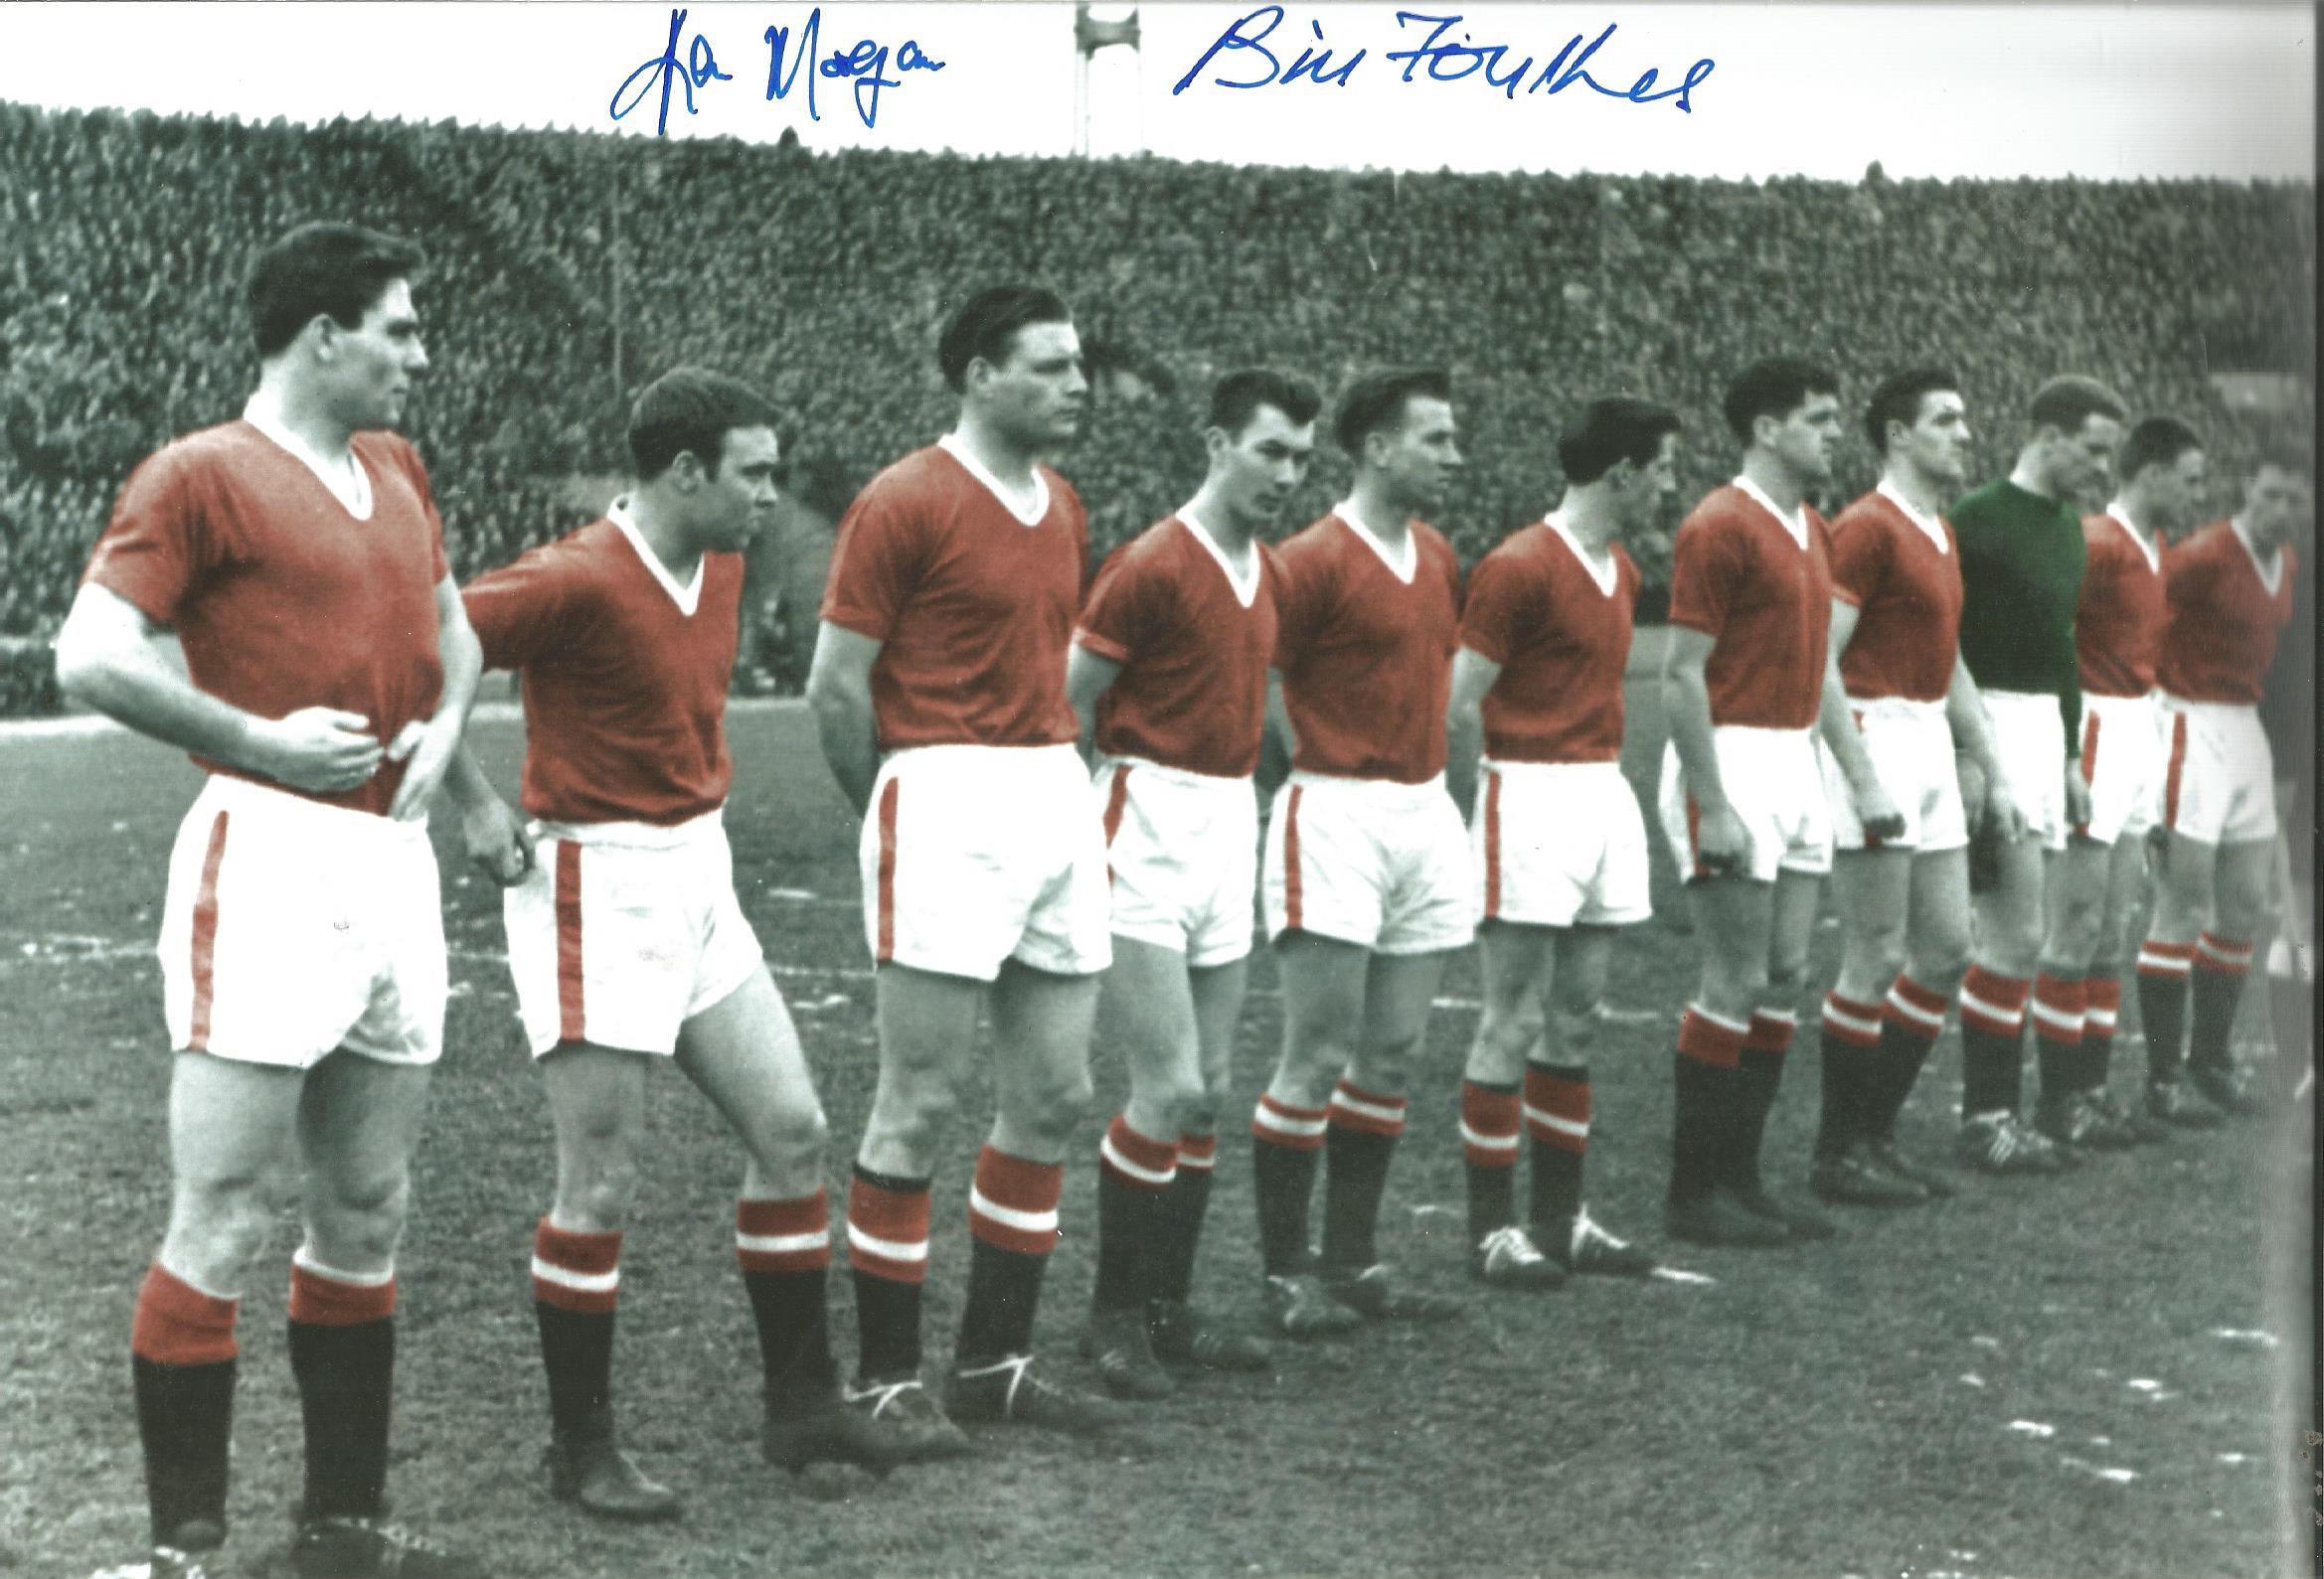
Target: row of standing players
[[331, 663]]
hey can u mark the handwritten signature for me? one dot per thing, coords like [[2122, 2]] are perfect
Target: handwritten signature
[[1443, 58], [687, 63]]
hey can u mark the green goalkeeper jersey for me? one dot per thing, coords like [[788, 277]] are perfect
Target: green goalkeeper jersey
[[2021, 576]]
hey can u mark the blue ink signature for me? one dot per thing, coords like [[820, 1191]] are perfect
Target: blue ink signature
[[868, 63], [1444, 60]]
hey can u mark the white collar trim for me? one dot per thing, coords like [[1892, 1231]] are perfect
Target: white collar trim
[[2120, 518], [1243, 583], [2271, 574], [687, 597], [1402, 567], [1028, 515], [1930, 527], [1600, 565], [1794, 523], [349, 484]]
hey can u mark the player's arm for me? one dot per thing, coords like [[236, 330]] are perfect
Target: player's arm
[[1991, 795], [1473, 677], [1087, 675], [430, 742], [1720, 843], [1277, 745], [1836, 720], [112, 656], [839, 689]]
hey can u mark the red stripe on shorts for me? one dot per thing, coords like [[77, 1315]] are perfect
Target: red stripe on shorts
[[1116, 799], [571, 1022], [206, 937], [1492, 846], [1292, 860], [2089, 761], [887, 877], [2178, 762]]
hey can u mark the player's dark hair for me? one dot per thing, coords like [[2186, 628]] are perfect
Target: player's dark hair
[[1376, 399], [988, 321], [1897, 399], [2068, 400], [322, 268], [690, 409], [1619, 427], [1774, 387], [2286, 454], [1237, 398], [2154, 441]]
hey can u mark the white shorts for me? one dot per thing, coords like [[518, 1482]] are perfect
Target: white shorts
[[2123, 752], [973, 855], [2029, 738], [1912, 751], [1775, 783], [2219, 776], [293, 929], [1182, 850], [1555, 844], [623, 931], [1370, 861]]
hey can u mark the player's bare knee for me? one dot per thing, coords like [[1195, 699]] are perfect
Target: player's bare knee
[[1578, 1025], [218, 1228], [793, 1144], [357, 1220]]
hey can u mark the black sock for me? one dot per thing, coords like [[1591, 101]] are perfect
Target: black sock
[[185, 1419], [1491, 1122], [1989, 1070], [1354, 1181], [1756, 1084], [1902, 1054], [346, 1384], [2211, 1017], [1283, 1179], [1844, 1098], [1563, 1091], [577, 1351], [887, 1295], [792, 1312], [1183, 1207], [2162, 1007], [1004, 1290], [1699, 1121]]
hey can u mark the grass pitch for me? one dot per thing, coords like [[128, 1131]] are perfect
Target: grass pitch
[[2074, 1377]]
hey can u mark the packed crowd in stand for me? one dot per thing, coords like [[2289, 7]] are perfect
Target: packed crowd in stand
[[566, 270]]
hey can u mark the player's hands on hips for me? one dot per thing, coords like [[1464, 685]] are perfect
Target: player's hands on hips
[[1876, 813], [1723, 845], [2077, 796], [323, 750], [499, 844], [427, 747]]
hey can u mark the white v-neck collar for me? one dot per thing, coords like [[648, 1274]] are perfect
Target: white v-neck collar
[[1794, 523], [1930, 527], [1245, 585], [1601, 568], [2152, 554], [952, 445], [687, 597], [2270, 576], [1403, 569], [350, 485]]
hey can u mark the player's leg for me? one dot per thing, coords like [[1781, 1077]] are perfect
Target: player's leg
[[1181, 1332], [1993, 993], [1146, 1008], [2166, 964], [2119, 929], [1767, 1047], [1733, 918], [1323, 985], [229, 1124], [1041, 1072], [1937, 952], [2224, 952], [2073, 896], [1367, 1112], [1872, 891], [1514, 960], [1558, 1109]]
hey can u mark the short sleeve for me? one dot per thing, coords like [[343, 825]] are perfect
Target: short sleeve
[[1503, 603], [159, 539], [1701, 575], [876, 562], [525, 609], [1861, 556], [1115, 620]]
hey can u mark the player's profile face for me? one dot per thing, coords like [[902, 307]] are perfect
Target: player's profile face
[[734, 504], [1938, 440], [375, 363], [1651, 488], [1419, 457], [1262, 466], [1804, 439], [2276, 505], [1037, 389]]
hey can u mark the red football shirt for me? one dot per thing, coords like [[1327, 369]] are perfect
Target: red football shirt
[[2118, 624], [973, 607], [1366, 655], [2222, 618], [1192, 693], [1561, 637], [282, 599], [1906, 589], [1740, 577], [625, 688]]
